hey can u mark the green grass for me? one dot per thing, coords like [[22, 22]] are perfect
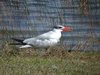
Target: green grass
[[74, 63]]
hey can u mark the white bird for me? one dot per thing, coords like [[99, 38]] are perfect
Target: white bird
[[47, 39]]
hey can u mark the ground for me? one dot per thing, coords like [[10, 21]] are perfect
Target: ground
[[68, 63]]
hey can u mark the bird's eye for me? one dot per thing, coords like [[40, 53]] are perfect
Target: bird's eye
[[59, 27]]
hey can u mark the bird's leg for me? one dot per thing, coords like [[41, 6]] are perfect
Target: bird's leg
[[48, 50], [69, 50]]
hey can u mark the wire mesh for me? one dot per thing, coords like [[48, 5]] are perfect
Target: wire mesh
[[28, 18]]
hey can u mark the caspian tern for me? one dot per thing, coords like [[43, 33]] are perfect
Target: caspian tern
[[48, 39]]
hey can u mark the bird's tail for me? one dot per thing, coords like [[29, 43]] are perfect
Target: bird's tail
[[19, 42]]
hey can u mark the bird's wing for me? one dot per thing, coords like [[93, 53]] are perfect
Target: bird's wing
[[40, 37], [47, 35], [43, 39]]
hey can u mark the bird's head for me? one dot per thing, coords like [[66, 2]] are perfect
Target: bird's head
[[63, 28]]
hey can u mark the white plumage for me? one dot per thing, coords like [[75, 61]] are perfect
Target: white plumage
[[50, 38]]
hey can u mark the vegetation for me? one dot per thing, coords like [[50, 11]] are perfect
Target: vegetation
[[55, 62]]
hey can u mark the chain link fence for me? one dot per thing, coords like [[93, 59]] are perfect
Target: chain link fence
[[28, 18]]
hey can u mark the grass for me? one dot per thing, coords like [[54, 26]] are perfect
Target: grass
[[74, 63], [57, 62]]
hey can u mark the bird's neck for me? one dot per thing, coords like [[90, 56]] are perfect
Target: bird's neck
[[57, 33]]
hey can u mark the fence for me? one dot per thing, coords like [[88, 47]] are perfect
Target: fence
[[28, 18]]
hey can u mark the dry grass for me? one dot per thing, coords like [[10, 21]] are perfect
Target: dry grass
[[57, 61]]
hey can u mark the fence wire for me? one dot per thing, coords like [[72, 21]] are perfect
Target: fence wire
[[28, 18]]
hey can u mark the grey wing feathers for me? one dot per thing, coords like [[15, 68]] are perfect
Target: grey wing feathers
[[40, 37]]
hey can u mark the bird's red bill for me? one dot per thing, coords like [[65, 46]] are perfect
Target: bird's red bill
[[67, 29]]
